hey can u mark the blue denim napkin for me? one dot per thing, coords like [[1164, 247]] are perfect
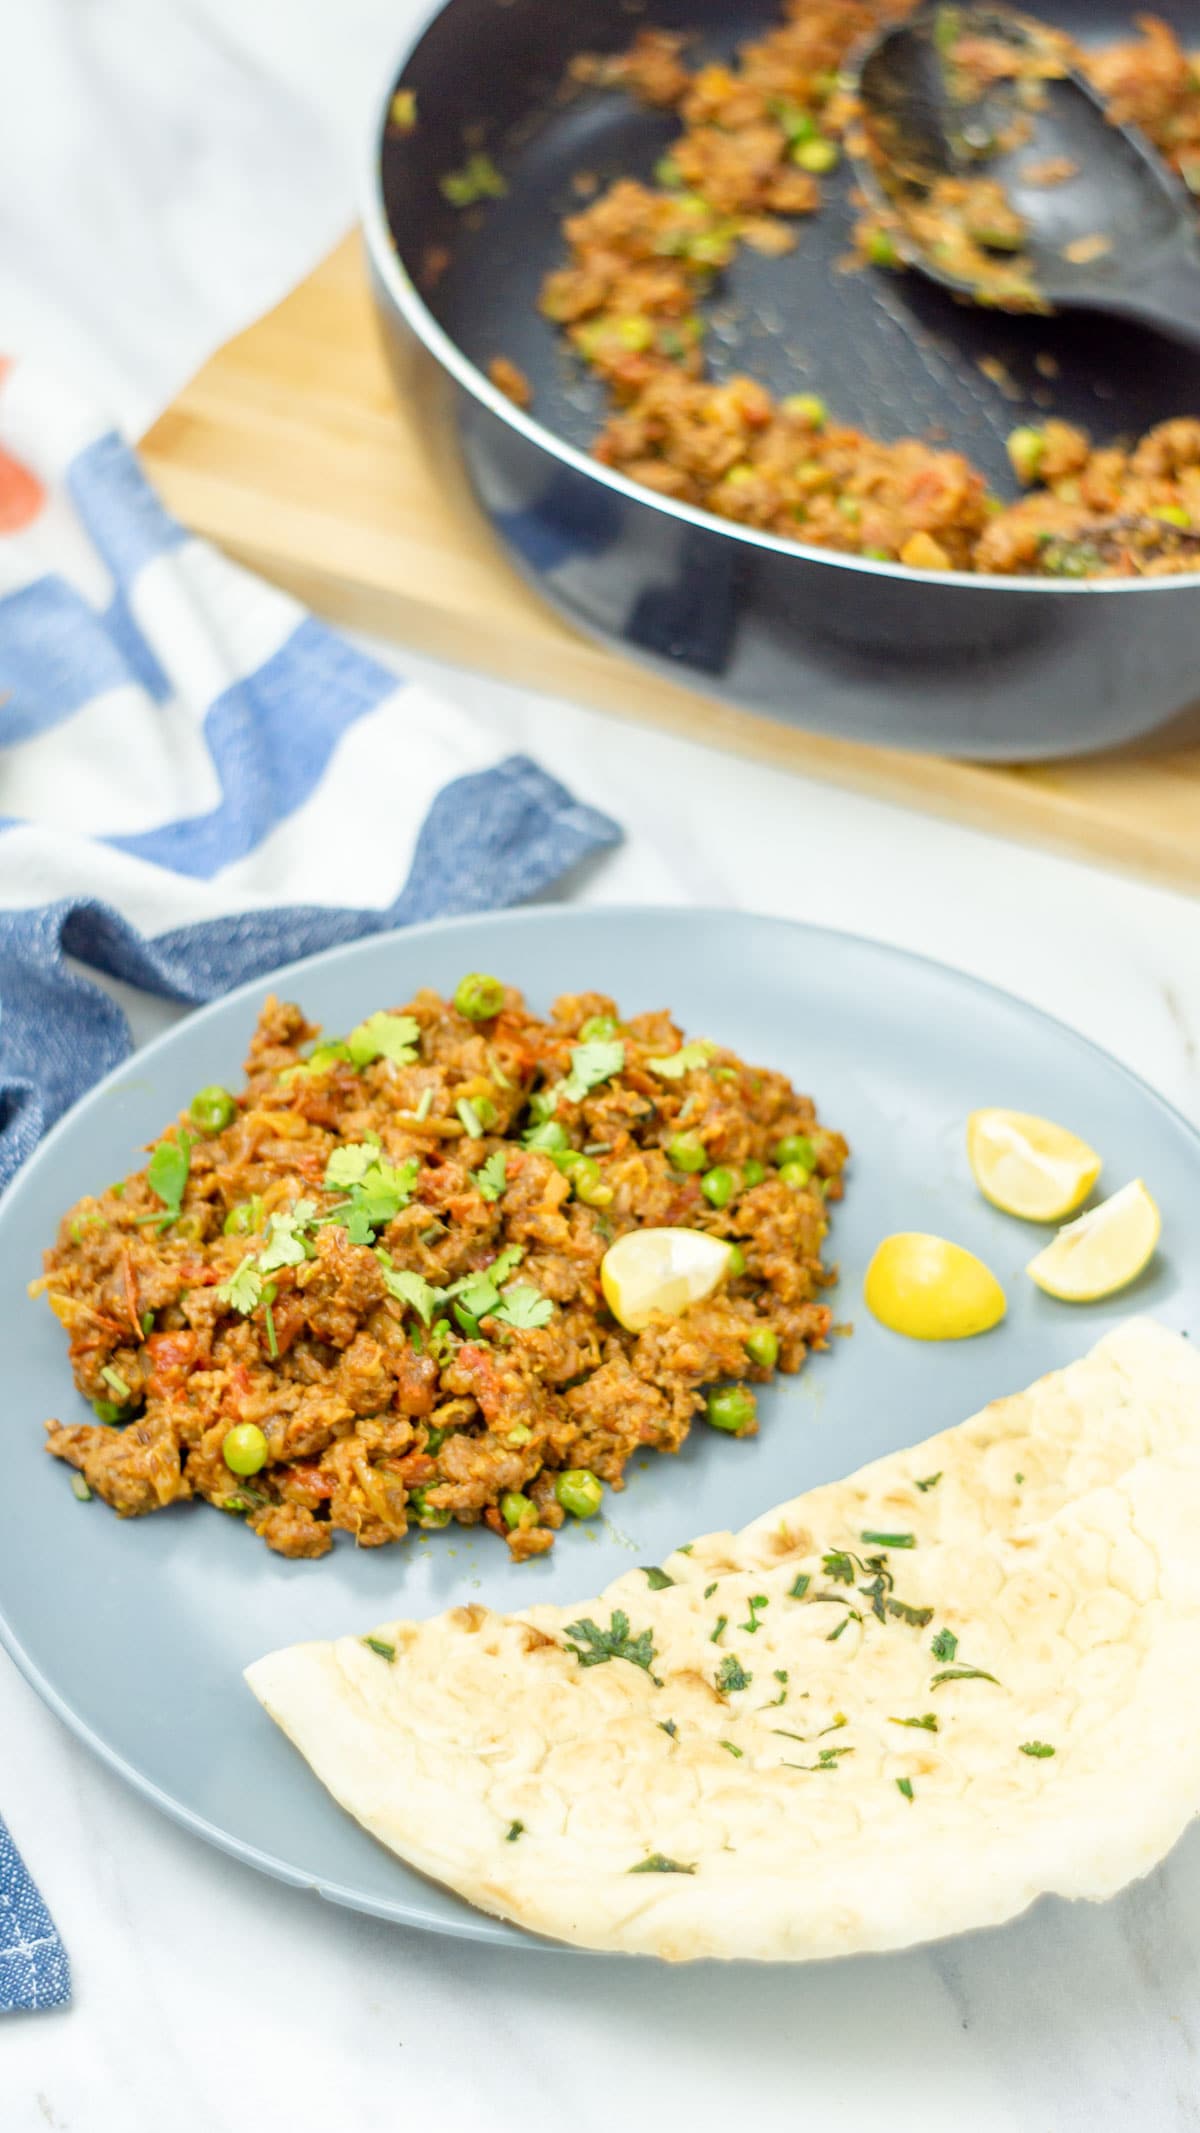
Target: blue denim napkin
[[34, 1971], [198, 782]]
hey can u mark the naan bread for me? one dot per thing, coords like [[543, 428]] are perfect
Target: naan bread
[[751, 1739]]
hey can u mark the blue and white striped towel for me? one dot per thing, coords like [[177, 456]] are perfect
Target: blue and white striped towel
[[199, 782]]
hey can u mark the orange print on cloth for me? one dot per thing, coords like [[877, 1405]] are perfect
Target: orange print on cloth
[[21, 493]]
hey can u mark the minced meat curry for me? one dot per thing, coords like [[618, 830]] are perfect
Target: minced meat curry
[[759, 139], [365, 1292]]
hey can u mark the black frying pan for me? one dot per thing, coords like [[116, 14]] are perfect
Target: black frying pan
[[987, 667]]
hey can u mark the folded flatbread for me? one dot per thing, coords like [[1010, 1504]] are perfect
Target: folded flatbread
[[903, 1705]]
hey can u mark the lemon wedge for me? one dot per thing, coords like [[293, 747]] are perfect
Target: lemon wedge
[[661, 1271], [932, 1290], [1103, 1251], [1029, 1166]]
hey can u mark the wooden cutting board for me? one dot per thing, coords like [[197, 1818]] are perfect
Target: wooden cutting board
[[290, 449]]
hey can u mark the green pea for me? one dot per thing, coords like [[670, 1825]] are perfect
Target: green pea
[[212, 1109], [478, 997], [635, 332], [797, 1175], [598, 1029], [588, 1182], [1026, 451], [797, 1148], [753, 1172], [519, 1434], [762, 1347], [244, 1448], [798, 124], [737, 1263], [719, 1185], [687, 1152], [809, 408], [429, 1515], [818, 156], [551, 1138], [517, 1511], [245, 1218], [579, 1492], [108, 1411], [731, 1408], [881, 249]]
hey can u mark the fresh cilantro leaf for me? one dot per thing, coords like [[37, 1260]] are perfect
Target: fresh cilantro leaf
[[542, 1106], [490, 1180], [930, 1482], [385, 1189], [655, 1578], [962, 1673], [722, 1623], [926, 1724], [349, 1164], [385, 1036], [410, 1289], [1036, 1747], [594, 1646], [505, 1262], [827, 1759], [916, 1617], [244, 1289], [839, 1566], [731, 1675], [592, 1064], [798, 1590], [904, 1785], [658, 1863], [944, 1645], [684, 1061], [167, 1176], [756, 1606], [358, 1226], [285, 1244], [479, 1295], [379, 1644], [524, 1307]]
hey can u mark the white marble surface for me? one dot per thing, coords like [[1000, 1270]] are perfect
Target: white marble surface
[[209, 2000]]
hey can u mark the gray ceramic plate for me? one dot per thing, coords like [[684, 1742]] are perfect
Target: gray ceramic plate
[[136, 1634]]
